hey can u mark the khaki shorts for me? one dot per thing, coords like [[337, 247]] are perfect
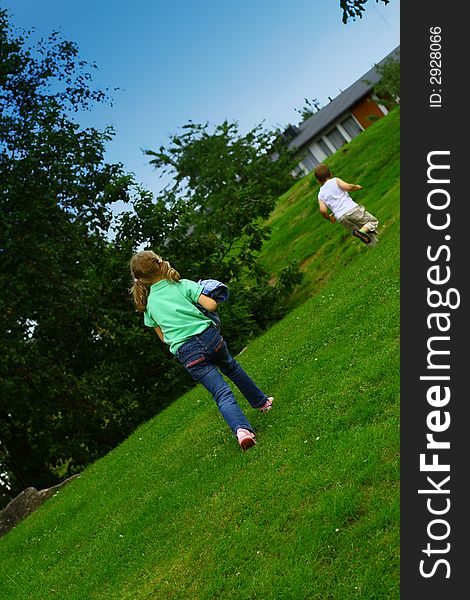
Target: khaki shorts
[[358, 217]]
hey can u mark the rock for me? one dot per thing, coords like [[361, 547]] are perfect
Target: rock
[[29, 500]]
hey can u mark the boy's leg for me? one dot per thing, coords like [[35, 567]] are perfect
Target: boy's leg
[[362, 235], [367, 222], [359, 219], [362, 224], [370, 227]]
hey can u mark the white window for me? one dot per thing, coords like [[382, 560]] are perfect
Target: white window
[[351, 127], [325, 147], [317, 152], [336, 138], [299, 170], [310, 160]]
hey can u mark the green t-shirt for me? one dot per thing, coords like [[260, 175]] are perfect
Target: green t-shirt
[[171, 306]]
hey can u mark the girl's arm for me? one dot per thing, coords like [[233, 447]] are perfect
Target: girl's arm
[[159, 332], [207, 303], [348, 187]]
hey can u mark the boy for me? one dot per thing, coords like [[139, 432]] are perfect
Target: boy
[[334, 195]]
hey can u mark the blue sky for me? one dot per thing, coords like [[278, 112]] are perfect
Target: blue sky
[[251, 61]]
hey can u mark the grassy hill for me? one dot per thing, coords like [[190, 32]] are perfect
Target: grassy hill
[[300, 234], [312, 512]]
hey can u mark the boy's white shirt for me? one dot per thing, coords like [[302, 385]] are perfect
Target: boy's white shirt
[[337, 200]]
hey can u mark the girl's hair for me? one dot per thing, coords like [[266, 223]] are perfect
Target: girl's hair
[[147, 268]]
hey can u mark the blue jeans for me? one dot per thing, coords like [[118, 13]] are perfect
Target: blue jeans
[[202, 356]]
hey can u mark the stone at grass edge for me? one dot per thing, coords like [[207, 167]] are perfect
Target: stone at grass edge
[[29, 500]]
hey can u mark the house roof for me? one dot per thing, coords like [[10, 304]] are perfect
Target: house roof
[[334, 109]]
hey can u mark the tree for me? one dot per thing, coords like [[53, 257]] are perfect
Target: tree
[[224, 183], [388, 87], [310, 108], [56, 408], [354, 8]]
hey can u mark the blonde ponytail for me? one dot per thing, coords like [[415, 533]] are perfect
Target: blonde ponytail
[[148, 268], [168, 272], [140, 294]]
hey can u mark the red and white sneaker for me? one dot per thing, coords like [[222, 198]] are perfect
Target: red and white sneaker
[[246, 438], [267, 405]]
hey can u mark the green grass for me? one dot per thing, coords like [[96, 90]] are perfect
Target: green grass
[[312, 512]]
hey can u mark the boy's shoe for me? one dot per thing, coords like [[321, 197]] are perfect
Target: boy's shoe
[[246, 438], [267, 405], [362, 235]]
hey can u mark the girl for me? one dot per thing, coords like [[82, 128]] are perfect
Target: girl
[[169, 306]]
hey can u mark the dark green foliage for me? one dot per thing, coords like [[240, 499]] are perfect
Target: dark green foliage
[[354, 8], [254, 306], [54, 197], [224, 183], [309, 108], [72, 383]]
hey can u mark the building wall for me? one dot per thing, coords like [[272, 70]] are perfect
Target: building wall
[[323, 145], [366, 108]]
